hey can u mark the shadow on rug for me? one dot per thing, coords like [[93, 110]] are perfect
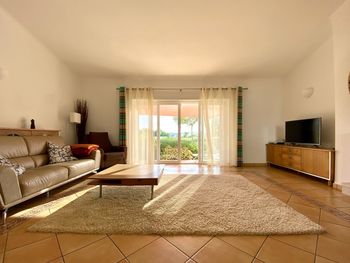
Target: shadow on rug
[[182, 204]]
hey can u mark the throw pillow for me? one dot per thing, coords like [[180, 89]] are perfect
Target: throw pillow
[[83, 150], [59, 154], [18, 169]]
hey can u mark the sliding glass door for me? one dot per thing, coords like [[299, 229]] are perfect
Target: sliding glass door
[[176, 131]]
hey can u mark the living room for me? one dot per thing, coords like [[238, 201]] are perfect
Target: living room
[[292, 58]]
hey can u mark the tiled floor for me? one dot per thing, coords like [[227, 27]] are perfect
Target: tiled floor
[[313, 198]]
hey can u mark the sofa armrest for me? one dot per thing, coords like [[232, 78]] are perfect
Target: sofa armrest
[[96, 156], [9, 186]]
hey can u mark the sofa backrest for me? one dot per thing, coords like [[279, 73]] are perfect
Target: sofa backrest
[[29, 151], [15, 149]]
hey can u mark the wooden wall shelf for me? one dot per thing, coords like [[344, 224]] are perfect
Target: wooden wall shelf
[[318, 162], [28, 132]]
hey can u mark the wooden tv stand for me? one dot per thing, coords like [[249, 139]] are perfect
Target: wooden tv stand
[[318, 162]]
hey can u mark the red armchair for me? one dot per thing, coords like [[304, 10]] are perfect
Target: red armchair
[[110, 155]]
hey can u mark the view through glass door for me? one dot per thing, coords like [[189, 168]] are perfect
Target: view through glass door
[[176, 131]]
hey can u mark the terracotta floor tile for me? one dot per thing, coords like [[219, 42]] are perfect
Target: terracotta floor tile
[[335, 201], [276, 251], [41, 251], [128, 244], [323, 260], [311, 212], [302, 185], [345, 209], [298, 200], [333, 249], [59, 260], [323, 193], [70, 242], [305, 242], [282, 195], [337, 232], [160, 251], [257, 261], [100, 251], [275, 187], [3, 238], [188, 244], [330, 218], [219, 251], [19, 236], [264, 184], [333, 246], [248, 244]]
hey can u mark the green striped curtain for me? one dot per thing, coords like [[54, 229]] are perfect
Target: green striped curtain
[[122, 127], [239, 126]]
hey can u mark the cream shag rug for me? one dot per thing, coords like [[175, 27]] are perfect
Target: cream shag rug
[[182, 204]]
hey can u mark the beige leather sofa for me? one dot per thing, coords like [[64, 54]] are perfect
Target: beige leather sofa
[[40, 176]]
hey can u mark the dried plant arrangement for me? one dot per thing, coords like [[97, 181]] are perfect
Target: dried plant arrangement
[[82, 108]]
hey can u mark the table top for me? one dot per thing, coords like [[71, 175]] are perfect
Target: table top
[[127, 171]]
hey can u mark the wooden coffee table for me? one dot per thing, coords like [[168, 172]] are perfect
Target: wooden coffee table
[[125, 174]]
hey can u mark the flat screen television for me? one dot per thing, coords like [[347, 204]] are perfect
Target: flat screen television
[[307, 131]]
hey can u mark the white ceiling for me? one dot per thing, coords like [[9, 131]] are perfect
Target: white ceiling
[[181, 37]]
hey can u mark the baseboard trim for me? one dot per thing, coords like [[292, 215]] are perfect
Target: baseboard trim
[[254, 164], [337, 186]]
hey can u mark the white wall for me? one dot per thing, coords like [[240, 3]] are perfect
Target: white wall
[[317, 71], [262, 105], [262, 117], [103, 104], [38, 86], [341, 43]]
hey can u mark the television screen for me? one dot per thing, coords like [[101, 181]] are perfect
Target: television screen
[[306, 131]]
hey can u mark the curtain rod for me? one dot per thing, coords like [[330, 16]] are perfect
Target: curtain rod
[[190, 89]]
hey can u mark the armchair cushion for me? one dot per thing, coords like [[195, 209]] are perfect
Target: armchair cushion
[[110, 155]]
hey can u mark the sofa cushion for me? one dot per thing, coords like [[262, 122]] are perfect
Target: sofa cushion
[[27, 162], [77, 167], [13, 146], [36, 179], [38, 144], [40, 159]]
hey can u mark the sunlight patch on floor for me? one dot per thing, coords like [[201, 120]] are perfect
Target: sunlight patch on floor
[[177, 201]]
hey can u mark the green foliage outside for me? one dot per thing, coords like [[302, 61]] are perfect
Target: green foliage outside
[[170, 153], [168, 148]]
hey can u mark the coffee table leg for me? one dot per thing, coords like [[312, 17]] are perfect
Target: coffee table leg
[[152, 187], [100, 190]]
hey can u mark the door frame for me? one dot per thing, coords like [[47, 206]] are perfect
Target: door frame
[[178, 103]]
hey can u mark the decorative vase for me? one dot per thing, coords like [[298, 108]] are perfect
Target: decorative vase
[[32, 124]]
